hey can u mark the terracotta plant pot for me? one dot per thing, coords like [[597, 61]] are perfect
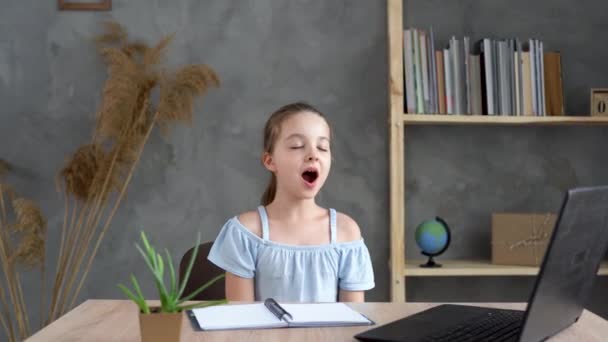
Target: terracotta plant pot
[[157, 327]]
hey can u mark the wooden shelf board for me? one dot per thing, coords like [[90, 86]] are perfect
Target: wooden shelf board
[[474, 268], [444, 119]]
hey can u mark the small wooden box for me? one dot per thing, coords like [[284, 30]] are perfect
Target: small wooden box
[[599, 102]]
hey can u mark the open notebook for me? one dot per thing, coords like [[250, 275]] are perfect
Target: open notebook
[[271, 314]]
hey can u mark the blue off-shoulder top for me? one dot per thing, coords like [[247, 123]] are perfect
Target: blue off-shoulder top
[[293, 273]]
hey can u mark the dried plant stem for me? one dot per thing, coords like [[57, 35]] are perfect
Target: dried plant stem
[[43, 291], [12, 278], [63, 229], [5, 307], [60, 257], [66, 264], [81, 257], [3, 206], [63, 262], [73, 260], [14, 297], [9, 272], [26, 321], [96, 214], [60, 268], [73, 267], [13, 285], [90, 229], [9, 332], [75, 236], [79, 251], [118, 200], [6, 323], [5, 316]]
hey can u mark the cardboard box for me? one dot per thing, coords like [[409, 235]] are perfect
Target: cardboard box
[[521, 239]]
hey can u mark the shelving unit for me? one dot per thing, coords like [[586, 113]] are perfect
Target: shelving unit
[[471, 268], [398, 120]]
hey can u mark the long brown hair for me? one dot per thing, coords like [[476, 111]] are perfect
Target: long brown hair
[[271, 133]]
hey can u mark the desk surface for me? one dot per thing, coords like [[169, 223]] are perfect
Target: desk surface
[[117, 320]]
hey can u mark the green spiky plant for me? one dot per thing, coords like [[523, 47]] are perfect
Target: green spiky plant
[[171, 300]]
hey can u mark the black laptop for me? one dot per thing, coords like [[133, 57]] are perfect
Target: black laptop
[[564, 283]]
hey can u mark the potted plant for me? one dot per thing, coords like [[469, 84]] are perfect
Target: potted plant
[[163, 323]]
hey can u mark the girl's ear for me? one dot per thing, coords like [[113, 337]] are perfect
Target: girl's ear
[[268, 162]]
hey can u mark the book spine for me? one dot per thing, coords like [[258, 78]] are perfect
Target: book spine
[[433, 72], [408, 52], [449, 83], [425, 71], [520, 86], [467, 75], [440, 81], [533, 82], [489, 76], [541, 60], [457, 65], [417, 66]]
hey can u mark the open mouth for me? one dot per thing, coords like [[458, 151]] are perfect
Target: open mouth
[[310, 175]]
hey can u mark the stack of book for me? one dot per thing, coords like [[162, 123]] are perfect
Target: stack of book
[[487, 77]]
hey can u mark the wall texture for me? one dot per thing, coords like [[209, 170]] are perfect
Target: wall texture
[[268, 53]]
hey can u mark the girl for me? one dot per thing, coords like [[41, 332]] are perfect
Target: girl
[[290, 248]]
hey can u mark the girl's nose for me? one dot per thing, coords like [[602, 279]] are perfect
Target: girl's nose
[[313, 156]]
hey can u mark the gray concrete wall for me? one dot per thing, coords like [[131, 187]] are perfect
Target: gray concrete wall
[[268, 53]]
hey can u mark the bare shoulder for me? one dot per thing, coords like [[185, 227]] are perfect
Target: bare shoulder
[[251, 221], [348, 229]]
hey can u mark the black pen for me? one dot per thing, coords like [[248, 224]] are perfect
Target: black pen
[[276, 309]]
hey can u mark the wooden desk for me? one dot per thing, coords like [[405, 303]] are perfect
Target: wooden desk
[[117, 320]]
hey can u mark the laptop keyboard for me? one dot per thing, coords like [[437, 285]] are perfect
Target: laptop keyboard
[[494, 326]]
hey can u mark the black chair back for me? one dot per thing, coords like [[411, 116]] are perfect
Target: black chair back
[[203, 270]]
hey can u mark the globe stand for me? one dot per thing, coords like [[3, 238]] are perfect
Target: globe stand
[[430, 263]]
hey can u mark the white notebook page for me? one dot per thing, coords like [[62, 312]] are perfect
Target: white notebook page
[[323, 313], [243, 316]]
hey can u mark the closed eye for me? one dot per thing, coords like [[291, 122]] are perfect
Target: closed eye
[[322, 149], [296, 147]]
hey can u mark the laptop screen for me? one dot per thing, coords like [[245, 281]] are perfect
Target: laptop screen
[[564, 283]]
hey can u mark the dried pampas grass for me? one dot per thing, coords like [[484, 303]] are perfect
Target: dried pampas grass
[[32, 225], [155, 55], [96, 177], [29, 218], [81, 170], [177, 93], [30, 252], [22, 246], [120, 94]]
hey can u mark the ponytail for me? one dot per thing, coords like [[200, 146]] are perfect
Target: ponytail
[[271, 191]]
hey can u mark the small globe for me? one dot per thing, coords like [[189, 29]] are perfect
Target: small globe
[[433, 238]]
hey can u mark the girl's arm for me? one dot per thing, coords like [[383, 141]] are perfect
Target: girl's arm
[[351, 296], [239, 289], [348, 230]]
